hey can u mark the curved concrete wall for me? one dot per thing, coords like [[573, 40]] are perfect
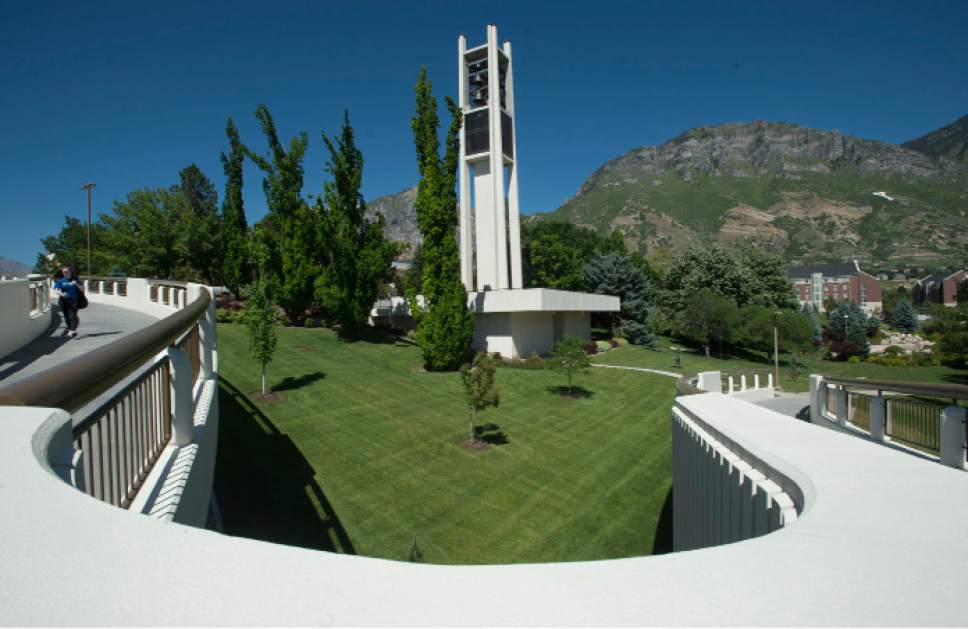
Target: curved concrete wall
[[878, 542], [22, 322]]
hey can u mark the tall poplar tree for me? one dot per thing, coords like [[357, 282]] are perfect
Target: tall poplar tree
[[234, 231], [293, 223], [445, 326], [357, 254]]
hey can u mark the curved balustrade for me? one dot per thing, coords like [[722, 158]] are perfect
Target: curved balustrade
[[927, 418]]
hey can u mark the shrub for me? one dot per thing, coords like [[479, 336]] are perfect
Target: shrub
[[615, 343], [620, 342], [590, 348], [223, 315], [853, 360], [311, 322], [603, 346], [893, 350], [637, 334]]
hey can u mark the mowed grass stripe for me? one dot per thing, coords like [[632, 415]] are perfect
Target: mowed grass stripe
[[379, 440]]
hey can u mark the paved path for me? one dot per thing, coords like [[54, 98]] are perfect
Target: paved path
[[792, 404], [658, 371], [795, 405], [99, 326]]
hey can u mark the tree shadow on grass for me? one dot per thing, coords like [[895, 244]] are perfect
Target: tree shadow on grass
[[575, 393], [956, 378], [266, 488], [289, 383], [491, 434], [379, 336], [662, 542]]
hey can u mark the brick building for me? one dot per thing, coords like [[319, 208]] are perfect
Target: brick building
[[940, 288], [841, 282]]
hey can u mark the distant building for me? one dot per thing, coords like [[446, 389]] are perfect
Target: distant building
[[940, 288], [841, 282]]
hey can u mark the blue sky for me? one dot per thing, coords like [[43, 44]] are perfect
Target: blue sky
[[125, 94]]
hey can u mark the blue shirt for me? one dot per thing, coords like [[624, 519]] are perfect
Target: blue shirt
[[67, 287]]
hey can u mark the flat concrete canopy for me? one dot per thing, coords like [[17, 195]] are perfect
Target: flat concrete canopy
[[99, 325], [540, 300]]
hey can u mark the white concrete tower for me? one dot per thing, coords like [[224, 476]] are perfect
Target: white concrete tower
[[491, 260]]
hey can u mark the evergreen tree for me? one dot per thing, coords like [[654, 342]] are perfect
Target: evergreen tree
[[291, 223], [359, 256], [233, 232], [445, 326], [903, 317], [480, 392], [846, 331], [810, 312], [616, 274]]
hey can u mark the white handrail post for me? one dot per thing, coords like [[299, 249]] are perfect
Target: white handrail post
[[841, 401], [817, 391], [756, 381], [182, 404], [769, 380], [878, 415], [206, 330], [730, 388], [742, 382], [953, 436]]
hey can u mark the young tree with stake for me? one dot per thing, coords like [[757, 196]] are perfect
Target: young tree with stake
[[260, 315], [569, 357], [480, 392]]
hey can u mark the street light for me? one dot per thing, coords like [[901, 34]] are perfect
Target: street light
[[88, 186], [776, 348]]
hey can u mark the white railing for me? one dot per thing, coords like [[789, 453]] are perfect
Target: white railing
[[750, 384], [25, 310], [908, 416]]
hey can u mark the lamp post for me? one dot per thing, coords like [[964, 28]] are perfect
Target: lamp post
[[88, 186], [776, 349]]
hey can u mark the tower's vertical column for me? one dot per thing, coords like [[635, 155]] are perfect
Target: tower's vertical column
[[466, 242], [514, 218], [497, 156]]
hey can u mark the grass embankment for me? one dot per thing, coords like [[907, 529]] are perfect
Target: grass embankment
[[694, 360], [363, 453]]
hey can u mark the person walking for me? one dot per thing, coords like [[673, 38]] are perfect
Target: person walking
[[69, 291]]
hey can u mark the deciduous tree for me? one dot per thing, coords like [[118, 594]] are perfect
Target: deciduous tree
[[261, 317], [445, 326], [233, 228], [292, 223], [358, 256], [569, 357]]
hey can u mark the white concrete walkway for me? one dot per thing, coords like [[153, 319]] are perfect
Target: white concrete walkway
[[643, 369]]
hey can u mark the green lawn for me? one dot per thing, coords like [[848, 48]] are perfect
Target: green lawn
[[694, 361], [363, 453]]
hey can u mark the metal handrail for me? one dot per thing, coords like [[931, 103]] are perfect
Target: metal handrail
[[953, 391], [79, 380], [176, 283]]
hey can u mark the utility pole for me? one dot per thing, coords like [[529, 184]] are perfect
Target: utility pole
[[88, 186]]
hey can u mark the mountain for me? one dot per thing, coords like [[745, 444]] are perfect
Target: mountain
[[401, 216], [950, 141], [12, 267], [813, 195]]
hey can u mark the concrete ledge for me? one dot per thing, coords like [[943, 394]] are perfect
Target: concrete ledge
[[540, 300]]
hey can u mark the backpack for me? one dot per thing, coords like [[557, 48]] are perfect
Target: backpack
[[81, 297]]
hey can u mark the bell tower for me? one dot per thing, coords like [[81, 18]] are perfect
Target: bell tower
[[490, 226]]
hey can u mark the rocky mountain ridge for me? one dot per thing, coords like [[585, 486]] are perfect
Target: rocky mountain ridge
[[810, 194]]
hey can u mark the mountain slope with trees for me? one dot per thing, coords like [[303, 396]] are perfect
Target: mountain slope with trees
[[805, 193]]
